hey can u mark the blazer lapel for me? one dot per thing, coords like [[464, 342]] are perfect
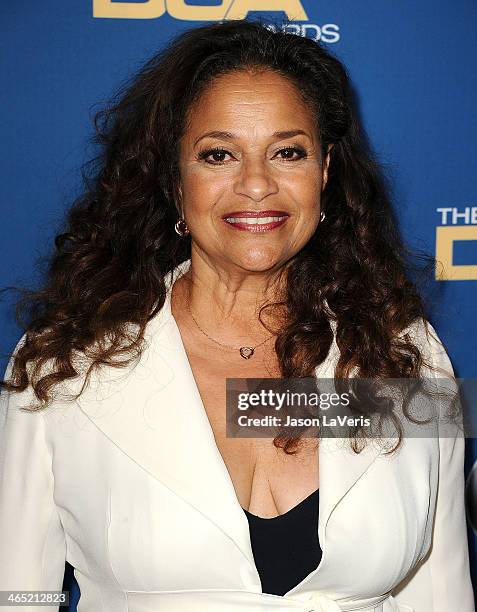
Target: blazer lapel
[[153, 412], [340, 467]]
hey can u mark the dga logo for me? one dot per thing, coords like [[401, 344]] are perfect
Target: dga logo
[[456, 227], [226, 10]]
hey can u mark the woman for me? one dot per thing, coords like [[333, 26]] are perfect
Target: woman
[[233, 177]]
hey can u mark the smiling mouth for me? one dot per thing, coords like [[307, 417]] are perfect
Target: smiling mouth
[[256, 222]]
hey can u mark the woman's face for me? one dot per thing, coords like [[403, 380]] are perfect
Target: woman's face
[[267, 161]]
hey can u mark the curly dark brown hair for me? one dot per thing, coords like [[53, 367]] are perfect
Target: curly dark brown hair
[[118, 242]]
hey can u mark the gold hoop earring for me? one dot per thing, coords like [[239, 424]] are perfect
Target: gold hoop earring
[[181, 227]]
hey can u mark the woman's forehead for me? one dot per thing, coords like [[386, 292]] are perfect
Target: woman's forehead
[[238, 103], [241, 87]]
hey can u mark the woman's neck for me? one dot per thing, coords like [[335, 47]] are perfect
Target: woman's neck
[[226, 306]]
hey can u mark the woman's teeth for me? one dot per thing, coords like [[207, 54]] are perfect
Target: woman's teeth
[[254, 220]]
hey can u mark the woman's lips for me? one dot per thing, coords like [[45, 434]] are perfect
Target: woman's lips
[[249, 221]]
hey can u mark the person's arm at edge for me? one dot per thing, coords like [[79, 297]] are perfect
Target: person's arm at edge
[[442, 582], [32, 541]]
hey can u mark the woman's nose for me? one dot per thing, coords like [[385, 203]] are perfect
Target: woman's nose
[[255, 180]]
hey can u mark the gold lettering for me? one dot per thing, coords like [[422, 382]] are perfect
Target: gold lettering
[[179, 9], [188, 12], [445, 237], [129, 10], [293, 8]]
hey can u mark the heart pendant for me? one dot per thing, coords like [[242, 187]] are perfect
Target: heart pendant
[[246, 352]]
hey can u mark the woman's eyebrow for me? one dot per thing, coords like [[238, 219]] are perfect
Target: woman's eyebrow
[[230, 136]]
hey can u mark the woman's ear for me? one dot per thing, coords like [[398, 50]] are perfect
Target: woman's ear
[[326, 163]]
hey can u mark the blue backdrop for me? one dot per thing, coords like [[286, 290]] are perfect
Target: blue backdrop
[[413, 68]]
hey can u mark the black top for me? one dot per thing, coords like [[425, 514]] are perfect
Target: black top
[[286, 547]]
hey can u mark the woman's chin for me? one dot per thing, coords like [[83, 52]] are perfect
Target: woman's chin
[[257, 261]]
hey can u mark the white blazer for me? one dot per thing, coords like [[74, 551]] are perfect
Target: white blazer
[[127, 485]]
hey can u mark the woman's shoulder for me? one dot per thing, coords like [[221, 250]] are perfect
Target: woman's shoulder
[[424, 336], [26, 399]]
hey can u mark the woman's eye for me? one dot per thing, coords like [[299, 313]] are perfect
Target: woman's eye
[[292, 150], [216, 154]]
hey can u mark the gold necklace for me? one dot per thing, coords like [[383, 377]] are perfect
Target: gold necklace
[[245, 351]]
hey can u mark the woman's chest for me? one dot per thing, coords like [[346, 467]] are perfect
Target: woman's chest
[[152, 533], [266, 480], [140, 497]]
